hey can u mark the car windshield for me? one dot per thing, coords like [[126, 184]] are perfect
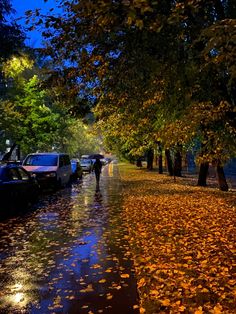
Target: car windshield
[[41, 160], [85, 161], [74, 161]]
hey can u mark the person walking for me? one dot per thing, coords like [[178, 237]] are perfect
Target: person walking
[[97, 167]]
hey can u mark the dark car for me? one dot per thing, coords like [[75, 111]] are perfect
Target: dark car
[[77, 171], [87, 165], [17, 187]]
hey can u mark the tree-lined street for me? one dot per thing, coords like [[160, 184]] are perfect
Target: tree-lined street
[[153, 84]]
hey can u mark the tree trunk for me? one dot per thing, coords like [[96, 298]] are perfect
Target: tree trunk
[[223, 186], [18, 152], [169, 162], [178, 164], [160, 166], [7, 156], [150, 158], [203, 172]]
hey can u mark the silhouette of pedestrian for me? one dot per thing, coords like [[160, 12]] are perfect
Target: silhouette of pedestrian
[[97, 167]]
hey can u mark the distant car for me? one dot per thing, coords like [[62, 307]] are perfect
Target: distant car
[[84, 156], [17, 187], [86, 164], [52, 170], [104, 161], [87, 157], [107, 160], [77, 171]]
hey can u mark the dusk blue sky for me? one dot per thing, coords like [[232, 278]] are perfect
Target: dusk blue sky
[[34, 37]]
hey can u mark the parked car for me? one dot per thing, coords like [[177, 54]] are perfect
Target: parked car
[[84, 156], [52, 170], [17, 187], [107, 160], [77, 171], [86, 164]]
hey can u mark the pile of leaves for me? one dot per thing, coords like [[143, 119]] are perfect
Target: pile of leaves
[[183, 241]]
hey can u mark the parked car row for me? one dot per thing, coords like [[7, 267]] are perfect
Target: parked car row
[[21, 183]]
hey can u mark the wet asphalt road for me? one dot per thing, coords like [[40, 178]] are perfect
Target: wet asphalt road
[[69, 254]]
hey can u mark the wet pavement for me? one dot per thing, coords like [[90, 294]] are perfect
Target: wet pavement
[[69, 254]]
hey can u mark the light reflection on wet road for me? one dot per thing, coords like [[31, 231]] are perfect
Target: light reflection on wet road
[[70, 254]]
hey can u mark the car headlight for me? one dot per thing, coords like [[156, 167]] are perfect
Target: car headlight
[[50, 174]]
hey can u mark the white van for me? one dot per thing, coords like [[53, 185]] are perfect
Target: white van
[[50, 169]]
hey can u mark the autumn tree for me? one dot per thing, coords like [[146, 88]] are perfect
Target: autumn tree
[[173, 55], [210, 114], [35, 119], [27, 118]]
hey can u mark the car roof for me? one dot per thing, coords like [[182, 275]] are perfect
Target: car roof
[[51, 153], [8, 163]]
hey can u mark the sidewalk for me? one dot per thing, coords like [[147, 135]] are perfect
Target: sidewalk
[[183, 240]]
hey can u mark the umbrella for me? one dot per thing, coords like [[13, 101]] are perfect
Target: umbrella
[[94, 156]]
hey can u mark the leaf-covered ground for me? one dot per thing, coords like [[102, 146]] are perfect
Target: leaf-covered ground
[[183, 240]]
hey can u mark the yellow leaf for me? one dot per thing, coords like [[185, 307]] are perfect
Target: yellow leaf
[[199, 254], [139, 24], [154, 292], [118, 287], [205, 290], [95, 266], [109, 296], [217, 309], [129, 20], [165, 302], [184, 285], [141, 282], [182, 308], [102, 280], [124, 275], [199, 311], [88, 289]]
